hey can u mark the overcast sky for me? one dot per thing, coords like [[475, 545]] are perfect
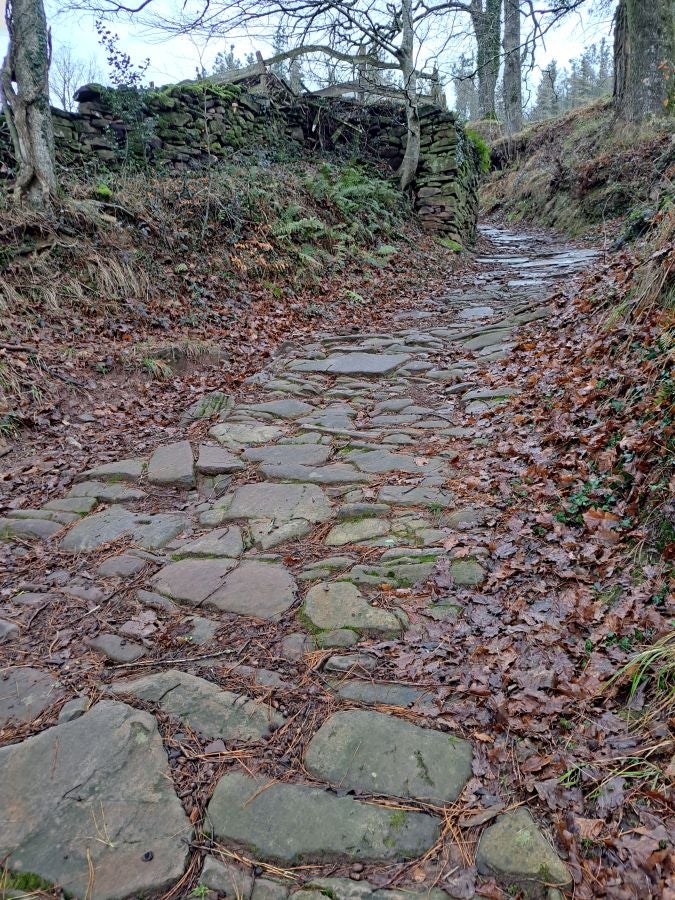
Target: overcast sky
[[176, 59]]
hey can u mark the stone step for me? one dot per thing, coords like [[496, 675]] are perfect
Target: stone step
[[296, 824]]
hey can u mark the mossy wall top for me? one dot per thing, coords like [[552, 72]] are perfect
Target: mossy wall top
[[187, 126]]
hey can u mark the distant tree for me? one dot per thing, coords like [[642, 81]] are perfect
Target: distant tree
[[24, 91], [225, 61], [466, 92], [68, 73]]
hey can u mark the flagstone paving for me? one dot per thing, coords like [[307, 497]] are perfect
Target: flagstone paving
[[212, 585]]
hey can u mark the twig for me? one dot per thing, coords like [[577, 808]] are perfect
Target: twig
[[171, 662]]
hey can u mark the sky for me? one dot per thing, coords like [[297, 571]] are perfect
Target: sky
[[177, 58]]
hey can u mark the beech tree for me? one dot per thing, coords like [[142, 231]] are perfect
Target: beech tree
[[644, 55], [24, 87], [513, 86]]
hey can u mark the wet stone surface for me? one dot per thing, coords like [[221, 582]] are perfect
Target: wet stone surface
[[257, 602]]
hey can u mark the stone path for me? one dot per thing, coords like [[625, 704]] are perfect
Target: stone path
[[213, 712]]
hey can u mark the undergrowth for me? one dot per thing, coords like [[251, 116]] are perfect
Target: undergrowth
[[579, 171]]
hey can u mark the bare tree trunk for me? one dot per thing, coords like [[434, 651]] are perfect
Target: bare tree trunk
[[408, 168], [24, 84], [644, 50], [486, 19], [513, 89]]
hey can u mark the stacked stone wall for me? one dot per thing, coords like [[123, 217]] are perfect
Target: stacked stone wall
[[187, 126]]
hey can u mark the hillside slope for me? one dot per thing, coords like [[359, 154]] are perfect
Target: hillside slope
[[580, 172]]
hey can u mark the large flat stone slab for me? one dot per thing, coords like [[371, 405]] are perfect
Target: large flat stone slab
[[356, 531], [24, 693], [381, 461], [204, 706], [172, 464], [377, 693], [277, 502], [336, 473], [29, 529], [280, 409], [293, 823], [380, 754], [259, 589], [289, 454], [122, 470], [236, 435], [220, 542], [192, 580], [149, 531], [338, 604], [353, 363], [217, 461], [94, 794]]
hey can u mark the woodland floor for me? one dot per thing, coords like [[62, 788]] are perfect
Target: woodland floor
[[336, 630]]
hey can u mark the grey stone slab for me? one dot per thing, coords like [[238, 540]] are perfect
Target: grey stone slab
[[278, 502], [237, 435], [415, 495], [123, 470], [289, 454], [9, 631], [258, 589], [203, 706], [115, 648], [353, 363], [337, 637], [227, 879], [201, 630], [380, 754], [490, 394], [107, 492], [362, 510], [30, 529], [348, 889], [267, 889], [191, 581], [350, 663], [338, 604], [281, 409], [172, 464], [24, 693], [293, 823], [336, 473], [217, 461], [468, 517], [94, 794], [149, 531], [467, 572], [123, 566], [79, 505], [377, 693], [220, 542], [487, 339], [356, 531], [381, 461], [515, 852], [266, 534], [51, 515], [476, 312]]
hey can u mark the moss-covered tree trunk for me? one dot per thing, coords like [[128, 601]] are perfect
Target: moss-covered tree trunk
[[24, 83], [644, 57], [406, 57], [513, 90], [486, 20]]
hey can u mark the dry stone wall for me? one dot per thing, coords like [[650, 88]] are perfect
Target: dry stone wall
[[186, 126]]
